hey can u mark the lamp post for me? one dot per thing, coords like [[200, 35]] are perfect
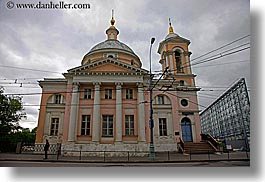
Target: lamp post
[[151, 122]]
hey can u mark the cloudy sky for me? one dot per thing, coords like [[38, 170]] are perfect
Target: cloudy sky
[[57, 40]]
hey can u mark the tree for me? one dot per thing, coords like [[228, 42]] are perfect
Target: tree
[[34, 130], [11, 111]]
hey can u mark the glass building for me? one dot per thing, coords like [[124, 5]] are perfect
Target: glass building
[[228, 118]]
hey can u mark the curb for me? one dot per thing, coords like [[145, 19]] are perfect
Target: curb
[[90, 161]]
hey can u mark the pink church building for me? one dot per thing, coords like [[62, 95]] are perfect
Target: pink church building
[[103, 104]]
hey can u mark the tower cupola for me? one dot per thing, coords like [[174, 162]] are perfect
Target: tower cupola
[[175, 54], [112, 32]]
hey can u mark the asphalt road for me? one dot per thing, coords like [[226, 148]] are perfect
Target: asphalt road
[[64, 164]]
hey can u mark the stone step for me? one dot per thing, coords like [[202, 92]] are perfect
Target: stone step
[[198, 147]]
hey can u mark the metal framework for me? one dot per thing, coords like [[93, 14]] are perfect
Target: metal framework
[[228, 118]]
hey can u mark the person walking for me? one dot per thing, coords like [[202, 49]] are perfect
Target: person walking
[[46, 148]]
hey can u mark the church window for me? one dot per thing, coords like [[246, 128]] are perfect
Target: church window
[[107, 125], [132, 62], [111, 36], [160, 99], [87, 93], [110, 56], [54, 127], [162, 126], [108, 93], [181, 83], [129, 125], [57, 99], [178, 61], [129, 93], [85, 126], [184, 102]]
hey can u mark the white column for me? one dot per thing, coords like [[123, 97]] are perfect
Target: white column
[[170, 127], [188, 64], [171, 62], [47, 125], [167, 64], [73, 113], [61, 123], [96, 114], [118, 112], [193, 129], [141, 113]]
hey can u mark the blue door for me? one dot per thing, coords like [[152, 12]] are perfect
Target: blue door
[[186, 130]]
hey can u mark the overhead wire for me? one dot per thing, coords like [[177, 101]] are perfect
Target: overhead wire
[[219, 48], [221, 55], [233, 62], [242, 45], [29, 69]]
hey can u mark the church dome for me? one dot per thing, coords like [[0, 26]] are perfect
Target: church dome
[[112, 48], [111, 44], [171, 35]]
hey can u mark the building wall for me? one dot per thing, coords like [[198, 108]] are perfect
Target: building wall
[[48, 106]]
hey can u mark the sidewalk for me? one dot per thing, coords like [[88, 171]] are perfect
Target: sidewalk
[[159, 158]]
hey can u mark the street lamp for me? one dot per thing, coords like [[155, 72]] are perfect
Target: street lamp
[[151, 122]]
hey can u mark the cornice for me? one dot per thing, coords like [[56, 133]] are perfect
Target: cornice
[[80, 69]]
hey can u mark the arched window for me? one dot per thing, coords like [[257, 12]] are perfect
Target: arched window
[[178, 61], [57, 99], [110, 56], [160, 99]]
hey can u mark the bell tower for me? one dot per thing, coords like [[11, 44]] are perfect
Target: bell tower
[[175, 56]]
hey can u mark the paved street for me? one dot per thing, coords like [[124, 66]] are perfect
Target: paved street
[[64, 164]]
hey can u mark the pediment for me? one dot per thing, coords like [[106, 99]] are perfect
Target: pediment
[[107, 65], [108, 68]]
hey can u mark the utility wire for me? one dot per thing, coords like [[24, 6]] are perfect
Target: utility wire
[[222, 64], [64, 104], [221, 47], [169, 92], [14, 67], [220, 54], [217, 88], [212, 59], [165, 71], [65, 92]]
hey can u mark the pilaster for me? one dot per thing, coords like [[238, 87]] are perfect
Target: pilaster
[[141, 113], [118, 112], [73, 112], [96, 113]]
